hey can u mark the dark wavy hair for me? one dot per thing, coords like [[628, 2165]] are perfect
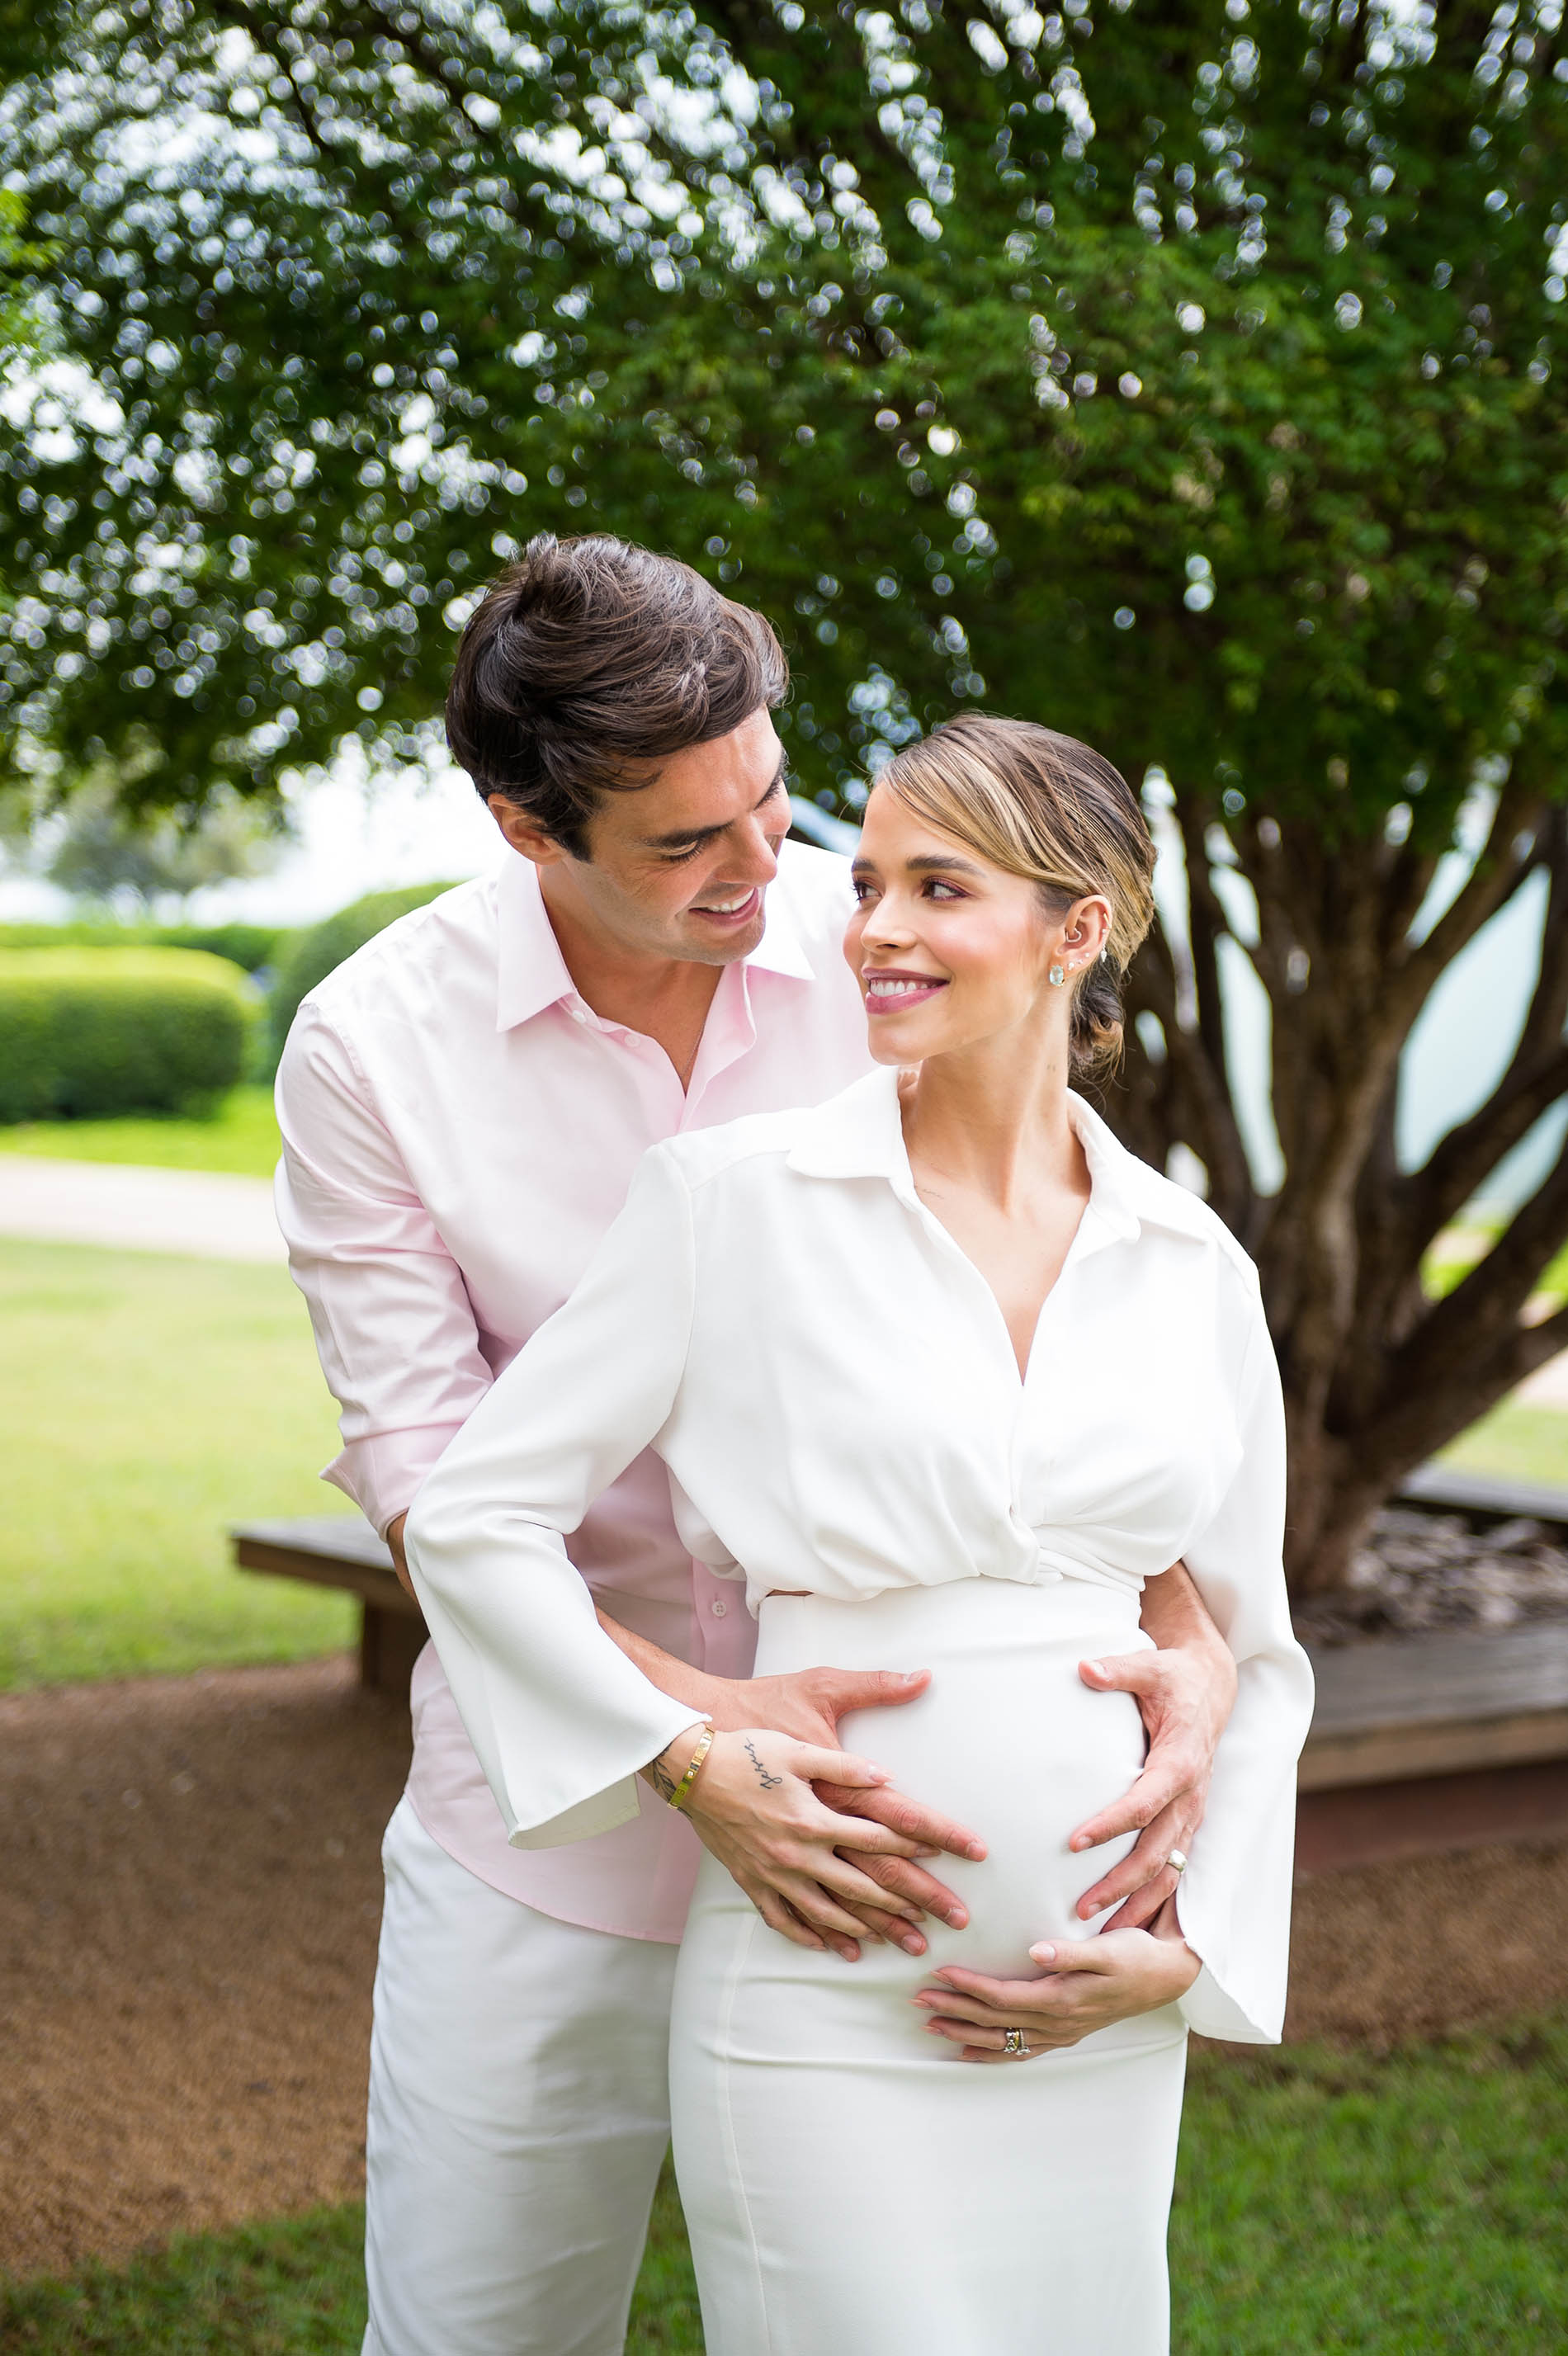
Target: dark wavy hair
[[590, 662]]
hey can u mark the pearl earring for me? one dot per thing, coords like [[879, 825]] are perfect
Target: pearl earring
[[1055, 977]]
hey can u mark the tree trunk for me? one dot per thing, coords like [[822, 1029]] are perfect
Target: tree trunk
[[1377, 1374]]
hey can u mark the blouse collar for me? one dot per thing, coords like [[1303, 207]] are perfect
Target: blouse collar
[[860, 1134]]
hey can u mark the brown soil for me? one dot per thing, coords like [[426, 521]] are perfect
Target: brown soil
[[189, 1896], [189, 1890]]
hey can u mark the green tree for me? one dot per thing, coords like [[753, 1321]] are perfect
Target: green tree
[[1184, 375], [97, 852]]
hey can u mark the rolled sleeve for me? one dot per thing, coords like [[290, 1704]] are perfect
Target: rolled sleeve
[[393, 1325]]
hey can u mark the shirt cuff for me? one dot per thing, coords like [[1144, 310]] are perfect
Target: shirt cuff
[[1213, 2011], [615, 1804], [385, 1472]]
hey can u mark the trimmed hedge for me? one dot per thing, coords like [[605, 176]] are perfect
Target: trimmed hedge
[[250, 946], [321, 949], [96, 1031]]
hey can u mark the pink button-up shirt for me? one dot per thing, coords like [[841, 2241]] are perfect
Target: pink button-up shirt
[[459, 1129]]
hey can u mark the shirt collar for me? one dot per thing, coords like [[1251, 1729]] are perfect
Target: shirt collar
[[859, 1134], [531, 973]]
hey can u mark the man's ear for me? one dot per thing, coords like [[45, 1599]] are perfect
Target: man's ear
[[523, 834]]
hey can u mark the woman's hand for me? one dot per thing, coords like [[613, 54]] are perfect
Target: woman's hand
[[754, 1807], [808, 1705], [1088, 1984]]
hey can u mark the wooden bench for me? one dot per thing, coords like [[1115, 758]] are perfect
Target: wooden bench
[[1419, 1743], [341, 1550]]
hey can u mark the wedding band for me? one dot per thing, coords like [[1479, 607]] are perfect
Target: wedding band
[[1177, 1862], [1013, 2041]]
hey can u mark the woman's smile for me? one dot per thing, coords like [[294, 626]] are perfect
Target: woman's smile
[[892, 988]]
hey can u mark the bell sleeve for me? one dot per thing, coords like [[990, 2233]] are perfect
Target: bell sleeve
[[1233, 1901], [560, 1718]]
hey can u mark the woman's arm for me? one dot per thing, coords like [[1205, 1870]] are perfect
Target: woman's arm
[[562, 1719], [1234, 1899], [1221, 1946]]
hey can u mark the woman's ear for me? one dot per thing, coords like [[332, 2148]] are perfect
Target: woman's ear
[[1086, 930]]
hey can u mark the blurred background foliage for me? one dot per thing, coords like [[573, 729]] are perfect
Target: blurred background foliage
[[1183, 374], [985, 344]]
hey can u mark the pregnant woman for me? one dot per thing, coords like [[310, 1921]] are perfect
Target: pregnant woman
[[944, 1374]]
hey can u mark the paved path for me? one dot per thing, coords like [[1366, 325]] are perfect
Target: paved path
[[197, 1212]]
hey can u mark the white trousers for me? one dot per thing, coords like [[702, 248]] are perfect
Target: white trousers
[[519, 2114]]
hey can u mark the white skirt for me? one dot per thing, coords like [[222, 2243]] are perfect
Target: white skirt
[[852, 2187]]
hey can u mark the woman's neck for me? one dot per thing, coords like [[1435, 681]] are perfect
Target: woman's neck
[[993, 1119]]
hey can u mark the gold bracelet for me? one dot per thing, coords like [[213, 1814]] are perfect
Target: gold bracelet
[[683, 1792]]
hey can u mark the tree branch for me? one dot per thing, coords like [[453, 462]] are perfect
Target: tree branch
[[1504, 860], [1480, 1316], [1536, 1076]]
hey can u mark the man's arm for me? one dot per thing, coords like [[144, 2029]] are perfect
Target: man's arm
[[1186, 1691], [400, 1559], [395, 1327]]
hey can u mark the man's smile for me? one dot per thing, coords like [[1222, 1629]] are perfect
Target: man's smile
[[736, 909]]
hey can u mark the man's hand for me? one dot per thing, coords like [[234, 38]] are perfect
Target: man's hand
[[753, 1806], [1186, 1691], [1088, 1984], [809, 1706]]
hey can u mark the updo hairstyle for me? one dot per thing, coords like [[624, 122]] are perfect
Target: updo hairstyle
[[1052, 811]]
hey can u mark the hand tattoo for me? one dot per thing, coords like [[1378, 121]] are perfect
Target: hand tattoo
[[770, 1783]]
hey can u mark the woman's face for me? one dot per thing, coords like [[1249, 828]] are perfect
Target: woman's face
[[948, 950]]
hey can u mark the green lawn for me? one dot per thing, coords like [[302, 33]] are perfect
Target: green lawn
[[241, 1136], [1521, 1443], [146, 1403], [1409, 2205]]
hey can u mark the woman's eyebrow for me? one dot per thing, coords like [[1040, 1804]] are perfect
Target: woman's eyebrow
[[934, 862]]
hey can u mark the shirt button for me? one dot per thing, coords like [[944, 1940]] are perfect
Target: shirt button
[[718, 1607]]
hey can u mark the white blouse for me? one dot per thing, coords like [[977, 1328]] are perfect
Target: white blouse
[[831, 1383]]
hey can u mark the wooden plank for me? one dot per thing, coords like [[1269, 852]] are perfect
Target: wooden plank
[[1450, 1673], [1451, 1490], [359, 1566], [328, 1538], [1383, 1824], [1401, 1752], [1413, 1706], [390, 1644]]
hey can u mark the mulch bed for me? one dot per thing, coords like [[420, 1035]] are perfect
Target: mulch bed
[[189, 1893], [1421, 1569]]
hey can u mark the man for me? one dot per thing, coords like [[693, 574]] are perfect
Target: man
[[463, 1104]]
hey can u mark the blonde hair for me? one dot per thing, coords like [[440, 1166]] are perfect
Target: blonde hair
[[1054, 811]]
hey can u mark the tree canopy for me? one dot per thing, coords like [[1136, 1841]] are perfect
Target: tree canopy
[[1185, 375]]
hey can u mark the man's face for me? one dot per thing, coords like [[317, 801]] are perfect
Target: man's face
[[677, 869]]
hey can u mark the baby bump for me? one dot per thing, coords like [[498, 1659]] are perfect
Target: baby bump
[[1007, 1739]]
